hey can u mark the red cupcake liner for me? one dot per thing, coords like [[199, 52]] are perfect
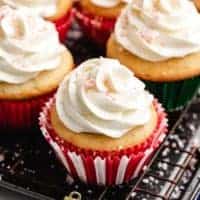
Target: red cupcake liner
[[103, 167], [63, 25], [21, 114], [95, 27]]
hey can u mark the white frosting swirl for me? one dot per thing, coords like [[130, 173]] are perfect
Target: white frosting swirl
[[102, 96], [157, 30], [28, 45], [108, 3], [44, 8]]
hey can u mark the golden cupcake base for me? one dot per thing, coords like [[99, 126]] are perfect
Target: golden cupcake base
[[176, 69], [63, 6], [44, 83], [95, 10], [100, 142]]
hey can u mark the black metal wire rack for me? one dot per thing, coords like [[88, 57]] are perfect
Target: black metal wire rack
[[29, 167]]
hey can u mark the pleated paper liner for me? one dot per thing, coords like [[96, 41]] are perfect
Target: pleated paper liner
[[174, 95], [96, 28], [63, 25], [103, 167], [21, 114]]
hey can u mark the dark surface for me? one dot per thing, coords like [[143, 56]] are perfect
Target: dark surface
[[28, 164]]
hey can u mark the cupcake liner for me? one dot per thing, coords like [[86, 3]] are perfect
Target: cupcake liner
[[174, 95], [63, 25], [21, 114], [103, 167], [96, 28]]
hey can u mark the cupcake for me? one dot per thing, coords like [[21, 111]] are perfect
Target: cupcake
[[57, 11], [32, 64], [160, 42], [97, 17], [197, 3], [102, 124]]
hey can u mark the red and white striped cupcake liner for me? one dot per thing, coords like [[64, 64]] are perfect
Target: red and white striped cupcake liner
[[21, 114], [96, 28], [103, 167], [63, 25]]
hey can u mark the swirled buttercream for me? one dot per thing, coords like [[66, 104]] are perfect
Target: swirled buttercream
[[102, 96], [157, 30], [28, 45], [44, 8]]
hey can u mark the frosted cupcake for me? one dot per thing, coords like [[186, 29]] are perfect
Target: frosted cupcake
[[97, 17], [32, 64], [57, 11], [103, 125], [160, 42]]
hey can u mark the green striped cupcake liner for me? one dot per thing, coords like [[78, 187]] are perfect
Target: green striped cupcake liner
[[174, 95]]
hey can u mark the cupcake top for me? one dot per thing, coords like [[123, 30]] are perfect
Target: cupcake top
[[157, 30], [45, 8], [28, 45], [108, 3], [102, 96]]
